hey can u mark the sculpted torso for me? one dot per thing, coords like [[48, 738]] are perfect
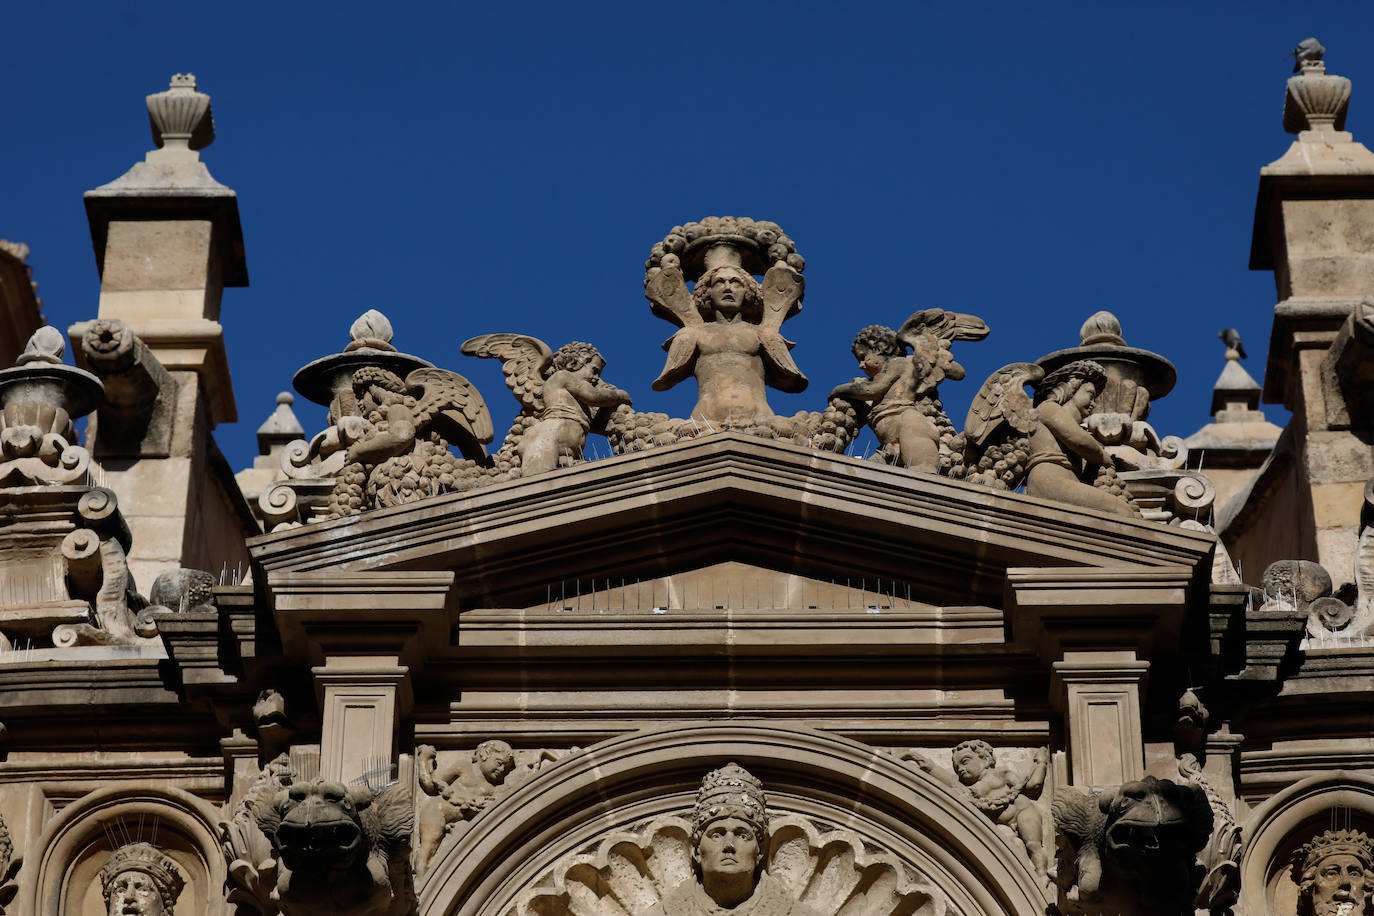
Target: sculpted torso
[[729, 370]]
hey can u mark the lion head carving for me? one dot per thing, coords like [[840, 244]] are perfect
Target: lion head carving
[[1131, 850], [341, 850]]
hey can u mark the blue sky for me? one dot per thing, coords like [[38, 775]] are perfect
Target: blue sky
[[506, 167]]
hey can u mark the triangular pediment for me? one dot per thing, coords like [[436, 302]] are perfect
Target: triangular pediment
[[724, 498]]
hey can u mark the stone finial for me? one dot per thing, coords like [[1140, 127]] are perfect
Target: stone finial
[[281, 427], [1236, 395], [1316, 101], [1101, 329], [180, 117], [45, 346], [371, 329]]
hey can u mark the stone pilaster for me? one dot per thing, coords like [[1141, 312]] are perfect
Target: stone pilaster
[[361, 699], [1098, 695]]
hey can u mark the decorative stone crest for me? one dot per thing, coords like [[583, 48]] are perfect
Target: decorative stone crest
[[138, 880], [730, 855], [1334, 873]]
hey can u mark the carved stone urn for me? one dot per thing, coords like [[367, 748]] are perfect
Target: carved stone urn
[[1316, 100]]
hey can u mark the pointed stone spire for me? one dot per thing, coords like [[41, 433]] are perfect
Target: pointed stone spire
[[1235, 396], [280, 428], [1239, 438]]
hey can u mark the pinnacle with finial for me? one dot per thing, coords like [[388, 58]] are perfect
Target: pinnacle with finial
[[181, 117]]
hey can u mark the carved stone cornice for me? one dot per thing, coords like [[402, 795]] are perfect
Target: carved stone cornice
[[746, 498]]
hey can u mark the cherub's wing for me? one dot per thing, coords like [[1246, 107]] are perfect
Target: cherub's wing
[[1003, 399], [783, 289], [452, 401], [525, 362], [942, 325], [682, 355], [668, 297], [779, 370]]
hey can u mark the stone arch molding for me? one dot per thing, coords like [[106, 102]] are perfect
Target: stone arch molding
[[1289, 818], [602, 833], [79, 839]]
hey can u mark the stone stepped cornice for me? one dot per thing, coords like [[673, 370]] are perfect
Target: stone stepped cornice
[[729, 496]]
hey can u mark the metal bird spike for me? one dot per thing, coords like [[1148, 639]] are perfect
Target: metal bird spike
[[1309, 49], [1231, 337]]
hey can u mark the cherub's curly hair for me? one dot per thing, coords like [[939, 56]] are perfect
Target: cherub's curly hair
[[1060, 384], [978, 746], [573, 356], [877, 338], [751, 307]]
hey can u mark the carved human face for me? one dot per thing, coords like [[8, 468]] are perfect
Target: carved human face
[[870, 361], [133, 893], [496, 767], [1341, 886], [1082, 399], [726, 290], [728, 847], [591, 369], [969, 766]]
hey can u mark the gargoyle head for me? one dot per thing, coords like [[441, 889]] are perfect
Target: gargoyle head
[[1137, 843], [320, 828], [1152, 817]]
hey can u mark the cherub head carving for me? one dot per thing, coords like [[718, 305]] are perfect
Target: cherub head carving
[[573, 356], [729, 290], [729, 834], [1062, 385], [972, 759], [495, 759], [1335, 874], [140, 881]]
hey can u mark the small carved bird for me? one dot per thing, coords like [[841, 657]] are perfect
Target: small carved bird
[[1309, 49], [1231, 337]]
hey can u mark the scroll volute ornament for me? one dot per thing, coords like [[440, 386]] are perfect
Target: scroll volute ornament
[[1316, 101], [180, 117]]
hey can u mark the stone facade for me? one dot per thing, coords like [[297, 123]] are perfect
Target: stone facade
[[1007, 667]]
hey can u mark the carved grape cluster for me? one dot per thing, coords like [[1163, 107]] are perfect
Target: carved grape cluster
[[767, 236], [1002, 465]]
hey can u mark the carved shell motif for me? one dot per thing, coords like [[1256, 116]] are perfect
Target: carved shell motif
[[813, 870]]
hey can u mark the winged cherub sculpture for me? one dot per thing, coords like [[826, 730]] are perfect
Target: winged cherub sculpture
[[905, 415], [398, 433], [729, 338], [562, 395], [1012, 438]]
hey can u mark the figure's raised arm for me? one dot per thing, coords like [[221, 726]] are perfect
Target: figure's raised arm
[[870, 389]]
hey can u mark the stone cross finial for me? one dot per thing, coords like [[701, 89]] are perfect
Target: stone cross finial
[[180, 117]]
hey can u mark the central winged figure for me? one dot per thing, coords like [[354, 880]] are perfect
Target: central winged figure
[[729, 337], [562, 395]]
